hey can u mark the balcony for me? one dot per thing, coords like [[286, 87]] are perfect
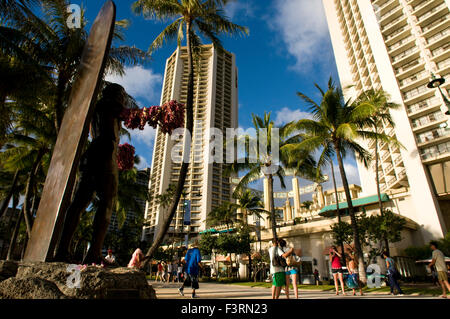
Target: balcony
[[401, 43], [425, 121], [389, 39], [402, 174], [391, 14], [443, 65], [389, 169], [438, 36], [422, 76], [435, 152], [428, 16], [415, 92], [409, 66], [396, 22], [424, 105], [385, 156], [404, 54], [432, 136], [398, 160], [434, 24]]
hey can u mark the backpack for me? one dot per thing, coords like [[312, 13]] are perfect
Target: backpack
[[278, 261]]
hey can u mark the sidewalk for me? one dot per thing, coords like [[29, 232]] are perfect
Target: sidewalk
[[210, 290]]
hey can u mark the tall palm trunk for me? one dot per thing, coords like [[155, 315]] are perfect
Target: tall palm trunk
[[359, 252], [7, 199], [186, 148], [380, 202], [29, 190], [60, 88], [272, 206], [12, 242], [338, 212]]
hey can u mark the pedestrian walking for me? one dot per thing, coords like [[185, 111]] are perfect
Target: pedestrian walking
[[277, 268], [174, 271], [393, 274], [316, 277], [438, 261], [159, 272], [169, 271], [180, 272], [336, 269], [164, 274], [291, 271], [192, 261]]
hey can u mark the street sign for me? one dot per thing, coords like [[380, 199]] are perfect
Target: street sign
[[187, 212]]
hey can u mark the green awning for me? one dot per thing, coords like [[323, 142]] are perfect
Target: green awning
[[211, 230], [362, 201], [226, 230]]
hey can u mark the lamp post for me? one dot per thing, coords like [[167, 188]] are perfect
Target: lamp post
[[436, 83]]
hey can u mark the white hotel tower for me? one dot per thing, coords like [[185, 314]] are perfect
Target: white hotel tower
[[397, 45], [215, 105]]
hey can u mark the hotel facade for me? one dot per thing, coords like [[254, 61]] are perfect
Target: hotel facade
[[397, 45], [215, 106]]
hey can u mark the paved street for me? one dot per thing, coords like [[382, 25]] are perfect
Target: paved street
[[224, 291]]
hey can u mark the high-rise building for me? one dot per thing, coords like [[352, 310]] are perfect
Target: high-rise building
[[215, 106], [397, 45]]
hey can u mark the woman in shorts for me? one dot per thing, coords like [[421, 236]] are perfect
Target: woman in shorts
[[336, 269], [291, 273]]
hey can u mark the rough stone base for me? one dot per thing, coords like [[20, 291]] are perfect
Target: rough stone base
[[29, 288], [8, 269], [94, 282]]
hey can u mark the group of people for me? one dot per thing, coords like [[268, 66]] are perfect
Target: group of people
[[338, 260], [169, 271], [282, 274]]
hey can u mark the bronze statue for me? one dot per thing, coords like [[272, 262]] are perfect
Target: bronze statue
[[71, 139], [98, 174]]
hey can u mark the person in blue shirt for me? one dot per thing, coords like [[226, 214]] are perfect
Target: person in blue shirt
[[192, 261]]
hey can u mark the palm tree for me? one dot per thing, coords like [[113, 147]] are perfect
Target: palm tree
[[339, 123], [192, 20], [52, 50], [28, 150], [379, 100], [225, 214], [249, 203], [298, 161]]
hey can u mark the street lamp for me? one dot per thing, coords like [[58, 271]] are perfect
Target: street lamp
[[436, 83]]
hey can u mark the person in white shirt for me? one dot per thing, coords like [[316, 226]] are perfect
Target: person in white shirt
[[277, 271], [110, 258], [438, 261]]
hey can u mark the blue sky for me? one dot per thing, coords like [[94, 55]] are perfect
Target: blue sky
[[288, 49]]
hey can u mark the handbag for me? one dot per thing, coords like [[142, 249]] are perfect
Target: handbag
[[292, 261], [351, 281]]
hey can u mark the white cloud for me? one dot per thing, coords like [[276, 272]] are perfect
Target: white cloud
[[235, 8], [352, 173], [286, 115], [146, 136], [143, 164], [303, 29], [140, 83]]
